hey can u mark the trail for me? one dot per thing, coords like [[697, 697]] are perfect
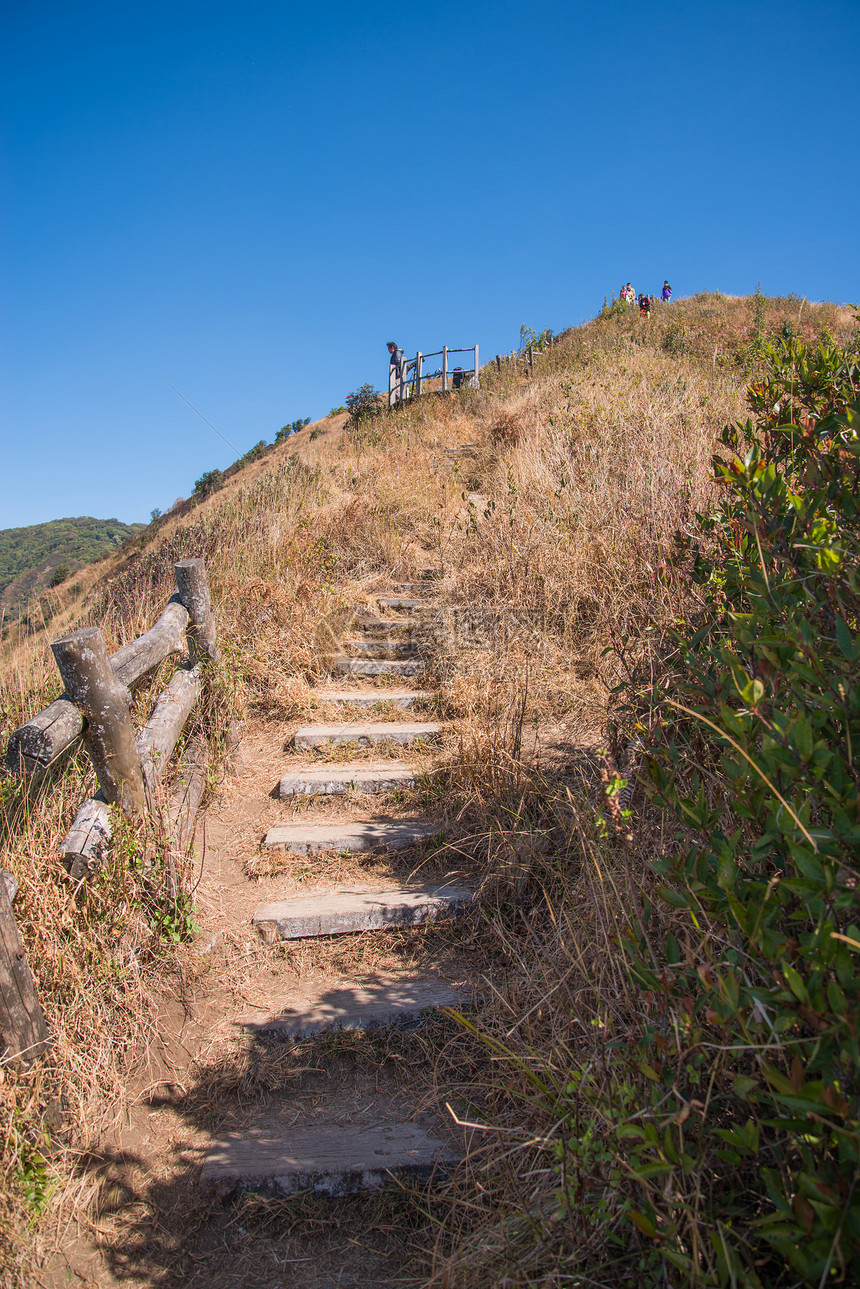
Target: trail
[[294, 1061]]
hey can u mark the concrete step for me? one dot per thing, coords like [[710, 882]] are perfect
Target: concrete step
[[375, 667], [346, 912], [329, 1159], [361, 776], [413, 588], [381, 648], [365, 735], [380, 1004], [386, 626], [402, 698], [400, 603], [391, 834]]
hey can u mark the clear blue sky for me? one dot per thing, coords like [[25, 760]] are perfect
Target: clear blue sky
[[249, 200]]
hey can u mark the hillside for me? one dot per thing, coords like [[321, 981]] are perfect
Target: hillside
[[31, 557], [656, 1008]]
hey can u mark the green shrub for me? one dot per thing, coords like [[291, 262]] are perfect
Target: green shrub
[[337, 411], [293, 428], [208, 483], [613, 309], [315, 434], [745, 1144], [60, 573], [363, 405]]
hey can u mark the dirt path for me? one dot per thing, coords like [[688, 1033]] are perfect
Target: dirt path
[[216, 1068]]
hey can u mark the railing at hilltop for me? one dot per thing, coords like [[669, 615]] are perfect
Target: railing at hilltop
[[130, 769], [410, 381]]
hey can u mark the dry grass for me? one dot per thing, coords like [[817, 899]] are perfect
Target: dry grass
[[584, 474]]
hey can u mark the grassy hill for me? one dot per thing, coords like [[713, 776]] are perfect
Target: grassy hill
[[667, 1090], [40, 555]]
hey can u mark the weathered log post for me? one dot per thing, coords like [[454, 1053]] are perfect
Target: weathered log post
[[86, 846], [93, 686], [23, 1032], [193, 588]]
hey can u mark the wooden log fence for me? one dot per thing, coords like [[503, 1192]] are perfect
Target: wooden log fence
[[130, 770], [411, 380], [525, 360]]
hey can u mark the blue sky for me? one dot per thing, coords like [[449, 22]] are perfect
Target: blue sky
[[249, 200]]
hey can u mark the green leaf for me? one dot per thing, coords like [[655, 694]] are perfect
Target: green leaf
[[645, 1225], [845, 640], [801, 734]]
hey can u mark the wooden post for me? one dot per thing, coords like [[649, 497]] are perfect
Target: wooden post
[[498, 363], [193, 588], [108, 735], [476, 366], [86, 845], [531, 361], [23, 1032], [444, 367], [419, 367]]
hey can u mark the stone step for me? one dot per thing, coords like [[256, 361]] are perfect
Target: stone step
[[377, 667], [381, 648], [400, 603], [365, 735], [361, 776], [329, 1159], [380, 1004], [392, 834], [346, 912], [383, 626], [402, 698], [412, 588]]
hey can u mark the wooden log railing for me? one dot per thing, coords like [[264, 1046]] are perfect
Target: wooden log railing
[[37, 744], [411, 379], [130, 770]]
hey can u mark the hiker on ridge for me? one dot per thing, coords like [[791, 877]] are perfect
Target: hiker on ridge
[[666, 294], [644, 306], [396, 373]]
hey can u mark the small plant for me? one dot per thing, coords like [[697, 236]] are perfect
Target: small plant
[[531, 339], [337, 411], [316, 433], [59, 575]]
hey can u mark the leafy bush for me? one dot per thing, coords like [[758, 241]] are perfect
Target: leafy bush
[[260, 449], [337, 411], [363, 405], [315, 434], [208, 483], [613, 309], [531, 339], [59, 575], [746, 1152], [293, 428]]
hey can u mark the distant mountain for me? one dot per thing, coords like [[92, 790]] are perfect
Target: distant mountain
[[30, 558]]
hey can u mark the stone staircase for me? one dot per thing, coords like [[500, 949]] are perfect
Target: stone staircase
[[329, 1156]]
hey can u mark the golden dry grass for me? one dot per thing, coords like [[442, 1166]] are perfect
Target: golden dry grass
[[555, 546]]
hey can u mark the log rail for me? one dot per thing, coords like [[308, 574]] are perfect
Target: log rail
[[130, 769]]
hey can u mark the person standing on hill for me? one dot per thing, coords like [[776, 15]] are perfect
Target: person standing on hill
[[644, 306], [666, 293], [396, 373]]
